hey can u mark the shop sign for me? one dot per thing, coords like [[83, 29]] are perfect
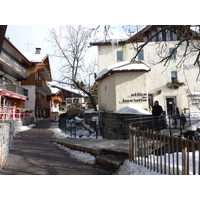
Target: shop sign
[[13, 95], [136, 97]]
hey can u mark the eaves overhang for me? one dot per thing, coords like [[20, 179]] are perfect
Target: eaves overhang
[[126, 67]]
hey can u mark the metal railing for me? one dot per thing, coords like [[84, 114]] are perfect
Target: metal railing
[[7, 112], [16, 66], [71, 127], [13, 88]]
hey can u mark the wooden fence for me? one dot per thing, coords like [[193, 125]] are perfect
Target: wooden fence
[[163, 153]]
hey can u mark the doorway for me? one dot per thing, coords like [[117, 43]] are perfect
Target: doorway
[[169, 102]]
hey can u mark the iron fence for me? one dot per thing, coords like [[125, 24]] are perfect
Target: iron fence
[[73, 126]]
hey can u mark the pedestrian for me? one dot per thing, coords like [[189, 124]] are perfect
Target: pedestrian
[[157, 111], [183, 120], [175, 115]]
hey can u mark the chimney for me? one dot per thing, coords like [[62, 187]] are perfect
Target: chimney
[[37, 50]]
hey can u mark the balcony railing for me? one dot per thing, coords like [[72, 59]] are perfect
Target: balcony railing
[[13, 88], [16, 66]]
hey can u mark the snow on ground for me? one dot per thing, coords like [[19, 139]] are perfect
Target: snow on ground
[[81, 156], [133, 109]]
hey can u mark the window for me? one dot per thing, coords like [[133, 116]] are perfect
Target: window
[[152, 34], [141, 55], [69, 101], [173, 76], [145, 39], [75, 100], [173, 54], [120, 56], [175, 37], [168, 35], [160, 37]]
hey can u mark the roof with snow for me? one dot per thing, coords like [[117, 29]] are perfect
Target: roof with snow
[[133, 109], [54, 90], [125, 66], [75, 91], [35, 58]]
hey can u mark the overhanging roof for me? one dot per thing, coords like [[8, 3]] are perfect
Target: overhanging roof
[[125, 66]]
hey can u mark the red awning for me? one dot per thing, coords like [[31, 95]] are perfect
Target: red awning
[[9, 94]]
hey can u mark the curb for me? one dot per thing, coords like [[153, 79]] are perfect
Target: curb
[[109, 160]]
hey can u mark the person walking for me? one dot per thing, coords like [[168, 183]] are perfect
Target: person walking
[[156, 112], [175, 115], [183, 120]]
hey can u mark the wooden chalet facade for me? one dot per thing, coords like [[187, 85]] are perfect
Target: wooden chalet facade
[[39, 73], [72, 98]]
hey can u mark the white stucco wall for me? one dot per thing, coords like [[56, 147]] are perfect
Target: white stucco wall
[[31, 95], [106, 89], [156, 79], [131, 88]]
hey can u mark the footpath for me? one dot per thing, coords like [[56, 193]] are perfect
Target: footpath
[[33, 152]]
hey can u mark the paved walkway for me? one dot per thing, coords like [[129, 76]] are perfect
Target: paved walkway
[[33, 153]]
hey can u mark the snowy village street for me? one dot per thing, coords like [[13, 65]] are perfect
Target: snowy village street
[[32, 153]]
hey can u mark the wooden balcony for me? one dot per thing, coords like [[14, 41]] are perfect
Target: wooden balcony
[[44, 72], [6, 86], [11, 67], [42, 103], [41, 85]]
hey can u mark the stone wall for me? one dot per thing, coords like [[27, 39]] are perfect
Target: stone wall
[[7, 130], [6, 137]]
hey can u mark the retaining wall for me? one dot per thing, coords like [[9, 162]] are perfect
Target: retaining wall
[[7, 130]]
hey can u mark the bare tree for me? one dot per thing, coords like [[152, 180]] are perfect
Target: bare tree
[[70, 44]]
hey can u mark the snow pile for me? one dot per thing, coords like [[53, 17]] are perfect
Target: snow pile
[[25, 128], [133, 109], [130, 168], [193, 116], [79, 155]]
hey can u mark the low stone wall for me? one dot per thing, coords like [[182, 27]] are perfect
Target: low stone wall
[[7, 130], [6, 137]]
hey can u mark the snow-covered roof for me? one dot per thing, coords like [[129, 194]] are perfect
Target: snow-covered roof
[[133, 109], [122, 66], [54, 90], [76, 91], [36, 58]]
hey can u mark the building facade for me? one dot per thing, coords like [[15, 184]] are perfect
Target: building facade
[[12, 73], [39, 73], [119, 88], [72, 98]]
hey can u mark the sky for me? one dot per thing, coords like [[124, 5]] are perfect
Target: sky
[[28, 37]]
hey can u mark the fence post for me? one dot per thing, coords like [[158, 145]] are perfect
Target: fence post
[[184, 157], [132, 143]]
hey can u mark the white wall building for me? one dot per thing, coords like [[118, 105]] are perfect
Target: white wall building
[[120, 85]]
